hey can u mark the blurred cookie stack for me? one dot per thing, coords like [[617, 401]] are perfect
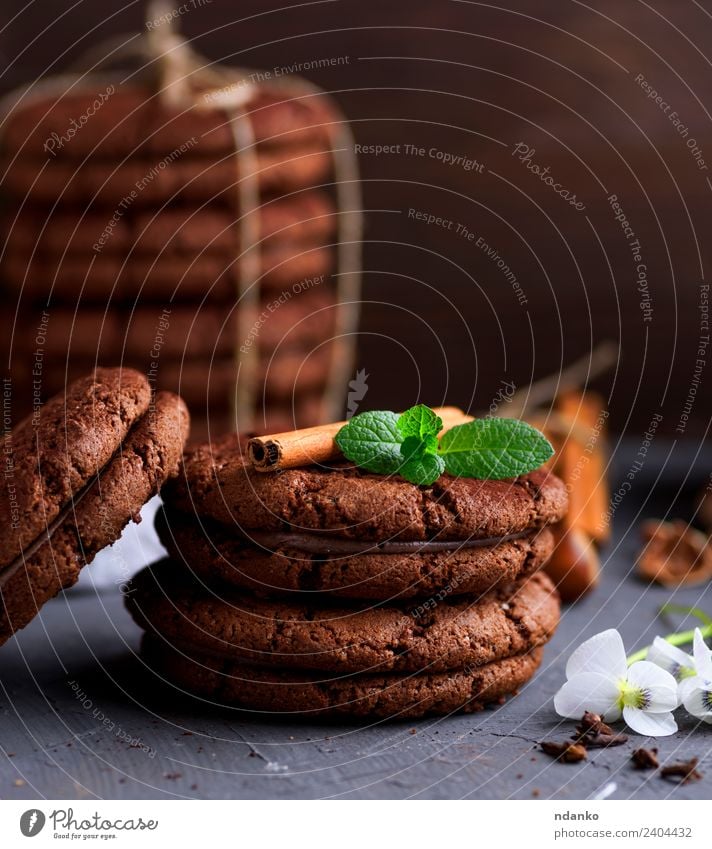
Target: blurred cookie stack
[[194, 238]]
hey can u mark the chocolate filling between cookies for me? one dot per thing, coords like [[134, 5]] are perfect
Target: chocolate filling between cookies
[[326, 545]]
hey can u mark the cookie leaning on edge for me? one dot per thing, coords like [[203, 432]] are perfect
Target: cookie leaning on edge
[[80, 471], [218, 482]]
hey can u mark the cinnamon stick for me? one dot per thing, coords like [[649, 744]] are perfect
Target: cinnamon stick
[[576, 429], [310, 445]]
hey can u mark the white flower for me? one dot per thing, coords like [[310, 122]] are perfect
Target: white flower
[[672, 659], [696, 692], [599, 680]]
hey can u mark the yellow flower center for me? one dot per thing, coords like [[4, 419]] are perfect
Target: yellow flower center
[[632, 697]]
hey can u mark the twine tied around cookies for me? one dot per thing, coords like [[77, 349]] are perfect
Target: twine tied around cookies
[[183, 79]]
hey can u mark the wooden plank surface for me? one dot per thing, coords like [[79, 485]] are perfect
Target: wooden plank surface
[[80, 718]]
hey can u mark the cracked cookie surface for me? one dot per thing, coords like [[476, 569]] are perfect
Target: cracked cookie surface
[[218, 481], [149, 454], [56, 452]]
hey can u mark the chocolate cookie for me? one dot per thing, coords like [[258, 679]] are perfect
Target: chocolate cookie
[[272, 562], [166, 232], [343, 501], [281, 375], [230, 683], [270, 417], [210, 330], [164, 598], [99, 277], [94, 515], [148, 181], [200, 331], [54, 454], [203, 383], [283, 266], [124, 120]]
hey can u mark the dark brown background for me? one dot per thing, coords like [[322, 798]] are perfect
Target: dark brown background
[[440, 321]]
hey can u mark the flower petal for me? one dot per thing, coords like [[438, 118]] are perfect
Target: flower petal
[[649, 724], [696, 696], [688, 685], [659, 686], [703, 660], [669, 657], [588, 691], [603, 653]]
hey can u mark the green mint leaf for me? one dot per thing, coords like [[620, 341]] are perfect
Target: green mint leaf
[[494, 448], [372, 441], [413, 447], [419, 421], [423, 470]]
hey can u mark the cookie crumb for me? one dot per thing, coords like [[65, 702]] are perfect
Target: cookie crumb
[[567, 751], [645, 759], [593, 733], [686, 771]]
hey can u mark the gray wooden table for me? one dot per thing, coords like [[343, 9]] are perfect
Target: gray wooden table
[[81, 719]]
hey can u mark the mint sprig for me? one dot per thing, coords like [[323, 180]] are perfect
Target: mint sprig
[[419, 421], [490, 448], [494, 448], [373, 442]]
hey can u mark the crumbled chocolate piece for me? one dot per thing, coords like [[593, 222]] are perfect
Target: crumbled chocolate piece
[[602, 741], [567, 752], [674, 554], [686, 771], [593, 722], [593, 733], [645, 759]]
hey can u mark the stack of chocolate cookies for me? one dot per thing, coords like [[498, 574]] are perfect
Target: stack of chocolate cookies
[[329, 590], [122, 229]]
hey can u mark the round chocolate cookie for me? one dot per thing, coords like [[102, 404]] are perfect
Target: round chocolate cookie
[[219, 482], [103, 276], [166, 232], [305, 411], [200, 331], [286, 373], [225, 682], [448, 634], [51, 456], [265, 563], [85, 520], [127, 119], [152, 180]]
